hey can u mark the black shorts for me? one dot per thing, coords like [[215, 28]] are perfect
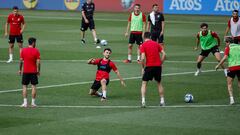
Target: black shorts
[[29, 77], [135, 38], [152, 72], [85, 26], [12, 38], [97, 84], [155, 36], [232, 74], [213, 50]]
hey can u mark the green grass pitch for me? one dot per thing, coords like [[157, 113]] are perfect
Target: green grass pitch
[[65, 106]]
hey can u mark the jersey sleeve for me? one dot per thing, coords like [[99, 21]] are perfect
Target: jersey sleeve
[[23, 21], [8, 19], [149, 19], [144, 18], [162, 17], [214, 34], [96, 61], [160, 48], [142, 49], [226, 52], [38, 55], [83, 7], [113, 66]]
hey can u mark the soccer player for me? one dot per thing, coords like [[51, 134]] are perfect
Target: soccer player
[[105, 65], [29, 69], [87, 20], [209, 42], [17, 26], [234, 26], [137, 25], [156, 23], [150, 52], [232, 53]]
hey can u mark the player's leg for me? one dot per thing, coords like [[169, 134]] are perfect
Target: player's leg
[[218, 58], [160, 41], [10, 49], [20, 43], [130, 46], [94, 33], [157, 73], [94, 89], [199, 64], [104, 89], [230, 89], [139, 41], [25, 82], [161, 93], [143, 92], [34, 82], [84, 27]]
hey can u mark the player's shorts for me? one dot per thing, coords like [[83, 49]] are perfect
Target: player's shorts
[[155, 36], [97, 84], [232, 74], [12, 38], [152, 72], [29, 77], [90, 25], [135, 38], [213, 50]]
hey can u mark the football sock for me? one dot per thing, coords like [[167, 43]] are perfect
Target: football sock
[[161, 99], [138, 57], [143, 99], [33, 100], [11, 56], [129, 57], [104, 94], [231, 98], [25, 101]]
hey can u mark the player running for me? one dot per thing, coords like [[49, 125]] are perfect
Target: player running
[[105, 65], [207, 39]]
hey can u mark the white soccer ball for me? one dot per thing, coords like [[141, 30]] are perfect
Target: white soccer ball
[[188, 98], [103, 42]]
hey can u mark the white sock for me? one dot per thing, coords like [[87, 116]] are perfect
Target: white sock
[[129, 57], [143, 99], [33, 100], [104, 94], [231, 99], [138, 57], [25, 101], [161, 99], [95, 39], [11, 56]]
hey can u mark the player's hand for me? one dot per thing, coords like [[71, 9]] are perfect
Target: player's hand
[[5, 34], [21, 31], [126, 34], [86, 21], [123, 83], [161, 33], [38, 73], [195, 48], [20, 72]]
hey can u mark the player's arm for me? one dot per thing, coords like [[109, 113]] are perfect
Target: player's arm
[[91, 61], [163, 25], [163, 55], [143, 61], [144, 24], [127, 30], [6, 29], [197, 42], [23, 25], [20, 67], [120, 78], [227, 29], [84, 17], [38, 66], [221, 62]]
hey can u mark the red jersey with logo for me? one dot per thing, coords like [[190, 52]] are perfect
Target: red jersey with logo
[[103, 74], [15, 22], [151, 50], [143, 19], [30, 56], [234, 68]]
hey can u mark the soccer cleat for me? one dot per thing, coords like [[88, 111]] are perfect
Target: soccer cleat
[[83, 41], [225, 72], [9, 61], [98, 47], [162, 104], [97, 41], [197, 73], [127, 61], [33, 105], [232, 102], [24, 105], [143, 105], [103, 99]]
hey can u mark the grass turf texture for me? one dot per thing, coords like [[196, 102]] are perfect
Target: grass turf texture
[[59, 39]]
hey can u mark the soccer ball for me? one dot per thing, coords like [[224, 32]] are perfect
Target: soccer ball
[[103, 42], [188, 98]]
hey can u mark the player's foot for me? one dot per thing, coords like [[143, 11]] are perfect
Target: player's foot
[[33, 105], [232, 102], [9, 61], [98, 47], [143, 105], [197, 72], [83, 41], [162, 104], [225, 72], [97, 41], [24, 105], [127, 61], [103, 99]]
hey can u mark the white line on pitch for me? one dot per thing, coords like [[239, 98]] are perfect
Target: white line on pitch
[[88, 82], [123, 107]]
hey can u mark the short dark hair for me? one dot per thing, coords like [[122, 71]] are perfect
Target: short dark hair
[[229, 39], [137, 5], [154, 5], [235, 11], [147, 35], [203, 25], [15, 8], [31, 40], [107, 49]]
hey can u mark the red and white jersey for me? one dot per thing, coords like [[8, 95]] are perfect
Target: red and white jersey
[[234, 27]]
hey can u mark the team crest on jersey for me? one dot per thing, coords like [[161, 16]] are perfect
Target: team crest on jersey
[[30, 4], [72, 4]]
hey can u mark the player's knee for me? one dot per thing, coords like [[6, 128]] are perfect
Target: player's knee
[[103, 81], [130, 46]]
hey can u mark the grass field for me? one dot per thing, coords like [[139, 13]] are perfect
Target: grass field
[[64, 106]]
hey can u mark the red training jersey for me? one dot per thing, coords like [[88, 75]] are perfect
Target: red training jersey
[[103, 74], [234, 68], [30, 56], [15, 22], [151, 50], [143, 19]]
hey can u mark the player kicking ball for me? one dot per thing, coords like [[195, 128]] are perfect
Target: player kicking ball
[[104, 67]]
